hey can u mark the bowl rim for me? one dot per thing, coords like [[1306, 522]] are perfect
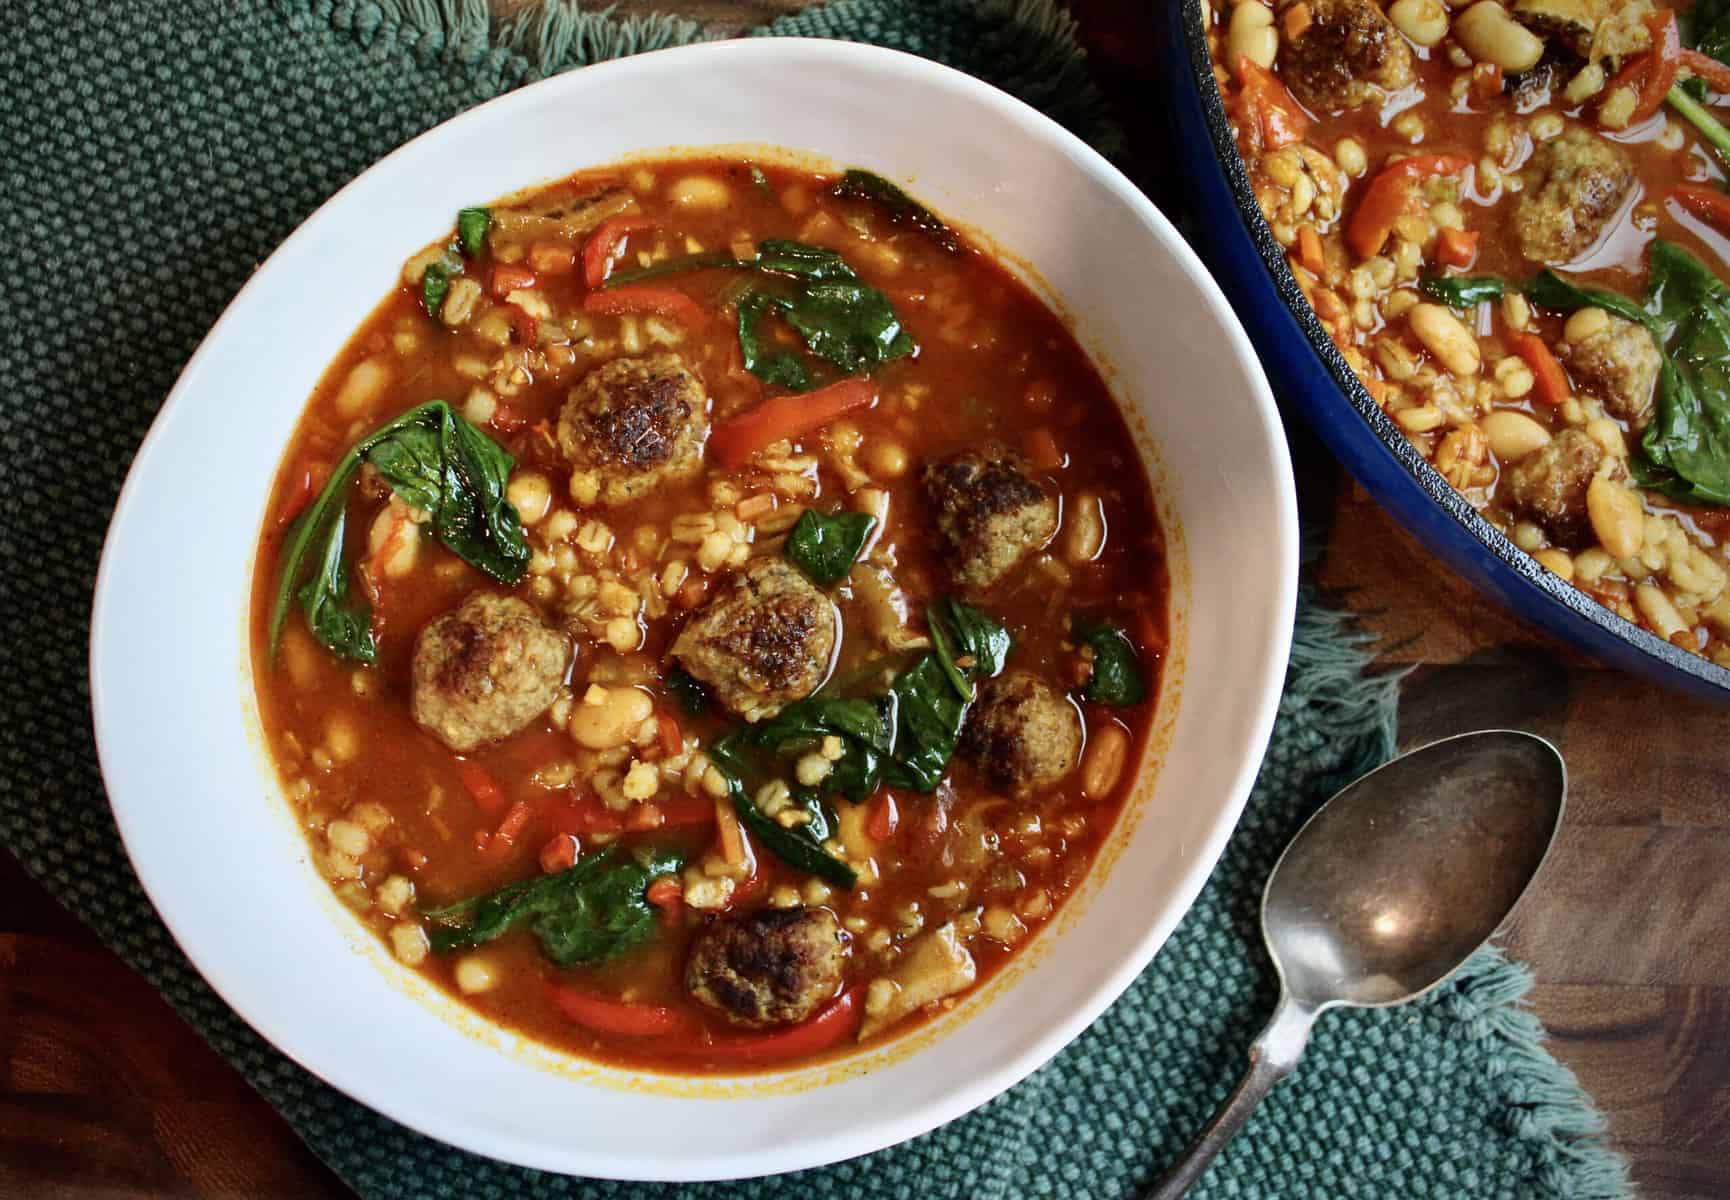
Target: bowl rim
[[1699, 669], [230, 980]]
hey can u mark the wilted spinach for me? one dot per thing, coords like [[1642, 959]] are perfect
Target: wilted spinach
[[799, 846], [897, 205], [435, 461], [593, 911], [472, 226], [1462, 291], [1117, 677], [825, 545]]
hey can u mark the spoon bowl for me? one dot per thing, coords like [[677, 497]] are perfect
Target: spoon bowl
[[1387, 890], [1399, 877]]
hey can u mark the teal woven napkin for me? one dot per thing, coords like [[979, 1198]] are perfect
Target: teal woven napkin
[[153, 152]]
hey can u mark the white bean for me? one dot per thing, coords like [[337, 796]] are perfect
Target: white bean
[[1102, 763], [1445, 336], [1251, 34], [1617, 517], [702, 192], [1424, 22], [608, 717], [1513, 435], [361, 389], [1490, 35]]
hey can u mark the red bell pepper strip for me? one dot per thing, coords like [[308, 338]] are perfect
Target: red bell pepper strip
[[508, 278], [1709, 204], [1707, 69], [1551, 382], [308, 480], [1456, 248], [646, 298], [616, 1016], [1652, 74], [666, 895], [880, 825], [602, 249], [1278, 117], [783, 417], [837, 1022], [487, 795], [504, 838], [1388, 196], [560, 853], [588, 815]]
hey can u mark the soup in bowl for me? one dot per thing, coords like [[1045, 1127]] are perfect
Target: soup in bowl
[[721, 627]]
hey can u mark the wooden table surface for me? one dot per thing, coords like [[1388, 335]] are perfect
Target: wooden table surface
[[105, 1093]]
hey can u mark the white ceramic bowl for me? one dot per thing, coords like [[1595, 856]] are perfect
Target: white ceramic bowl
[[201, 811]]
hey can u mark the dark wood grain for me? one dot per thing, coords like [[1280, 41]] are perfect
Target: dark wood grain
[[104, 1092]]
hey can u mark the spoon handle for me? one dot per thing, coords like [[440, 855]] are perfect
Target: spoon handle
[[1271, 1059]]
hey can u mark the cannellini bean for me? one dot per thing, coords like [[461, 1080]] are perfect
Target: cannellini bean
[[1618, 108], [702, 192], [1420, 420], [1349, 154], [361, 389], [1616, 516], [1490, 35], [531, 495], [348, 838], [1588, 82], [341, 738], [607, 717], [1251, 34], [1424, 22], [1084, 529], [409, 942], [1513, 435], [1102, 763], [1659, 612], [1445, 336]]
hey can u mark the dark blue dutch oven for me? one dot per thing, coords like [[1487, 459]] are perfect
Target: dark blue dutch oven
[[1309, 374]]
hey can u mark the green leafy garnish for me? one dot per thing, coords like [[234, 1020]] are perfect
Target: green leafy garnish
[[1462, 291], [825, 546], [435, 285], [970, 645], [845, 324], [1700, 117], [1117, 677], [594, 911], [799, 846], [761, 180], [435, 461], [931, 696], [1549, 290], [472, 226], [689, 693], [865, 727], [900, 208]]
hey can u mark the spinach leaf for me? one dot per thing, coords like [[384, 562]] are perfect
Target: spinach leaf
[[865, 727], [1462, 291], [897, 205], [690, 694], [799, 846], [845, 323], [472, 226], [968, 641], [1677, 283], [708, 260], [1688, 440], [825, 546], [594, 911], [434, 460], [929, 716], [782, 367], [1549, 290], [435, 285], [1117, 677], [346, 629]]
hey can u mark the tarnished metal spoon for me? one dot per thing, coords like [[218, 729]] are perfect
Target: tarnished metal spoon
[[1387, 890]]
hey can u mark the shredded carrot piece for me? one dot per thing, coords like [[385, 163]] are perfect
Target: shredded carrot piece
[[1551, 382], [732, 837], [1310, 255]]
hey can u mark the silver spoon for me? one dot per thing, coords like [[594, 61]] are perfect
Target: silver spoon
[[1387, 890]]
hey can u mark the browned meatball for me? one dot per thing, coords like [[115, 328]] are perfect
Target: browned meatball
[[1577, 183], [1618, 364], [1549, 485], [990, 513], [774, 967], [1020, 734], [763, 641], [1350, 54], [631, 425], [485, 670]]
